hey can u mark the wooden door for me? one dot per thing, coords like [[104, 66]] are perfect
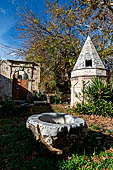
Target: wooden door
[[19, 89]]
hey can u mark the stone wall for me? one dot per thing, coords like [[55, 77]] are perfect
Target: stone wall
[[10, 67], [5, 81], [86, 68], [77, 86]]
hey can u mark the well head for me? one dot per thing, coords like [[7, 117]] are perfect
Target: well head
[[57, 130]]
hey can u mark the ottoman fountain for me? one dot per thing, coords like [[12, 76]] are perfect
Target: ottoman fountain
[[58, 132]]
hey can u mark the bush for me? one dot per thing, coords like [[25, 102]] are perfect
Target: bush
[[103, 108], [99, 97], [40, 96], [56, 99], [99, 90]]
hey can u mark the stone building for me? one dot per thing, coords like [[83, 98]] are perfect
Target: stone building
[[87, 66], [17, 78]]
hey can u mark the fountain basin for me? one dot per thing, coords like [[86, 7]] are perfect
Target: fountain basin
[[57, 131]]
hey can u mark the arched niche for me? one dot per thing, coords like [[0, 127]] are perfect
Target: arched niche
[[20, 75], [20, 85]]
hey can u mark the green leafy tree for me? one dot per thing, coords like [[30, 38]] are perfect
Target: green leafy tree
[[98, 16], [57, 41], [52, 43]]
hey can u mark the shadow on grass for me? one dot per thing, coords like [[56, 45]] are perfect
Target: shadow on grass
[[42, 109], [13, 110], [95, 142], [19, 148]]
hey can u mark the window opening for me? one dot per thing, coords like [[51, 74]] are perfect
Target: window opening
[[88, 63]]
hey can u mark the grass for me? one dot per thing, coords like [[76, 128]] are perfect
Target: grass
[[20, 151]]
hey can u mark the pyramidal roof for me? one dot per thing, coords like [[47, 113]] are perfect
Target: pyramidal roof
[[88, 53]]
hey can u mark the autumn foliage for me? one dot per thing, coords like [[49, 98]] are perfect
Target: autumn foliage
[[55, 41]]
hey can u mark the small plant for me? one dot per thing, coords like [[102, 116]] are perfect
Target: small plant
[[95, 127], [56, 99], [107, 131], [40, 96]]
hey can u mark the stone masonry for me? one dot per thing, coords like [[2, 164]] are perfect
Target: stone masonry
[[58, 132], [8, 68], [87, 66]]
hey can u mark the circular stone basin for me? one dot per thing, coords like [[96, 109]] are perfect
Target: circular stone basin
[[58, 131]]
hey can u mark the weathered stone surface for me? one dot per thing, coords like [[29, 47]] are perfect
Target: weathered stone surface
[[87, 66], [57, 131], [8, 68]]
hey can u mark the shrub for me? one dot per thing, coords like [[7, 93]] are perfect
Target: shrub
[[56, 99], [40, 96], [99, 90], [103, 108], [99, 97]]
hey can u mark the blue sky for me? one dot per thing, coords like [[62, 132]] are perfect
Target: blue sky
[[8, 23]]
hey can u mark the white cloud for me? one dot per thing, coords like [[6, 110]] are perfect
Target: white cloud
[[3, 11]]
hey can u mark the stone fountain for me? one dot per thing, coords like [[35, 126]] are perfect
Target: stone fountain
[[58, 132]]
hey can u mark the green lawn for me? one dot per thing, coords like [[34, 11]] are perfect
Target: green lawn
[[20, 151]]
